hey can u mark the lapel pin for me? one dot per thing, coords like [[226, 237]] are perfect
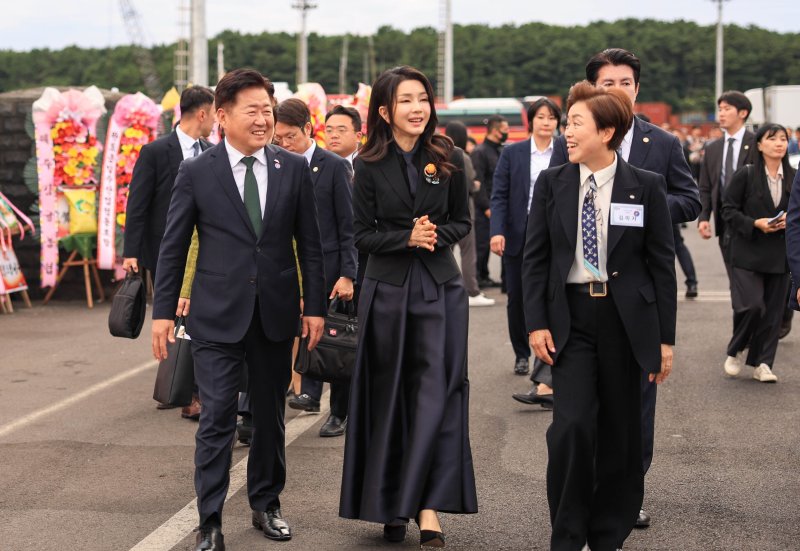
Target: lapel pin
[[747, 147], [277, 164], [646, 139], [632, 197], [315, 169]]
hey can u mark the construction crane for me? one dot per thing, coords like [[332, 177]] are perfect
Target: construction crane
[[133, 22]]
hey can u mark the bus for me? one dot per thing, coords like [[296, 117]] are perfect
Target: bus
[[475, 112]]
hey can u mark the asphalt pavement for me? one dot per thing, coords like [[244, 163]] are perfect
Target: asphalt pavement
[[87, 462]]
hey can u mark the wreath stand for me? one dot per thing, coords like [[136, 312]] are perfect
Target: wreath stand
[[80, 244]]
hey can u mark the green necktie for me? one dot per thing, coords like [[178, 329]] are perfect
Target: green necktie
[[251, 201]]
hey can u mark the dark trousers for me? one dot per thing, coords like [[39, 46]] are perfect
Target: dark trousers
[[217, 370], [595, 482], [649, 393], [684, 256], [482, 250], [760, 302], [514, 309], [724, 241], [340, 395]]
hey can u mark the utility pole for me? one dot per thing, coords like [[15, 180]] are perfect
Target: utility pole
[[343, 65], [718, 86], [444, 80], [304, 6], [220, 60], [199, 47]]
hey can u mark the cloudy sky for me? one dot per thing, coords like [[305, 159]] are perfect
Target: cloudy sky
[[98, 23]]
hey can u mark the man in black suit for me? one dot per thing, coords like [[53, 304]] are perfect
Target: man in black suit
[[331, 176], [249, 200], [154, 175], [650, 148], [484, 160]]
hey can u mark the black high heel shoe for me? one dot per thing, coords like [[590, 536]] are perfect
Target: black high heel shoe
[[394, 533], [429, 538]]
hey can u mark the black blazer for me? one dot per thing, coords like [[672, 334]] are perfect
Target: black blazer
[[385, 214], [746, 199], [658, 151], [148, 198], [233, 264], [710, 172], [333, 191], [512, 182], [640, 261], [793, 238]]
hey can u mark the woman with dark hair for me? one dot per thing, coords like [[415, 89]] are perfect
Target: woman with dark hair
[[754, 207], [457, 131], [407, 453], [600, 304]]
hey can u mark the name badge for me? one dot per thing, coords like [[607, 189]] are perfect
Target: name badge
[[627, 215]]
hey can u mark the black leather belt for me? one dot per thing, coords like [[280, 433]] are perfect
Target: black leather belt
[[596, 289]]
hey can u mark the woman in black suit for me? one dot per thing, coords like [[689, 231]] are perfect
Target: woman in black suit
[[600, 301], [754, 206], [407, 453]]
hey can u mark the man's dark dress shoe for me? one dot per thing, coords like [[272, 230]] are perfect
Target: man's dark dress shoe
[[394, 533], [192, 411], [521, 366], [272, 524], [244, 430], [533, 397], [334, 426], [691, 290], [786, 328], [643, 521], [488, 282], [210, 539], [160, 405], [304, 402]]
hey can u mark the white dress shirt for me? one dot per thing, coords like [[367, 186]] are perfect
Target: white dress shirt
[[775, 185], [187, 143], [239, 169], [309, 153], [602, 202], [627, 141], [539, 161], [737, 146]]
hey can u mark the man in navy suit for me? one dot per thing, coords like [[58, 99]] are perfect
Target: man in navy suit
[[331, 176], [249, 201], [514, 178], [648, 147], [793, 240]]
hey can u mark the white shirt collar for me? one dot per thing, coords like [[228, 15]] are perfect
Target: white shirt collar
[[535, 151], [309, 153], [628, 138], [186, 141], [780, 171], [601, 177], [235, 156], [738, 136]]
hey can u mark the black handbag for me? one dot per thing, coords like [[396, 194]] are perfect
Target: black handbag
[[334, 357], [126, 317], [175, 376]]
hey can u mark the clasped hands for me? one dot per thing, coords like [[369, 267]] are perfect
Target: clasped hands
[[541, 342], [424, 234]]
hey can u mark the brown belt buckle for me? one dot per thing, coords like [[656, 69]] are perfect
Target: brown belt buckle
[[601, 285]]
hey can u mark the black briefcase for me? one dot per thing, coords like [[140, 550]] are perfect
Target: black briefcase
[[126, 317], [175, 376], [334, 357]]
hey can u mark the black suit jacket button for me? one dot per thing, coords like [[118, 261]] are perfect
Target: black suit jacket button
[[253, 280], [615, 275], [258, 249]]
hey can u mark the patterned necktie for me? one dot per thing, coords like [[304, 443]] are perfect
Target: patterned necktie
[[195, 149], [589, 230], [252, 203], [729, 162]]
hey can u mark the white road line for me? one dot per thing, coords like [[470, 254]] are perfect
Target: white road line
[[66, 402], [169, 534]]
